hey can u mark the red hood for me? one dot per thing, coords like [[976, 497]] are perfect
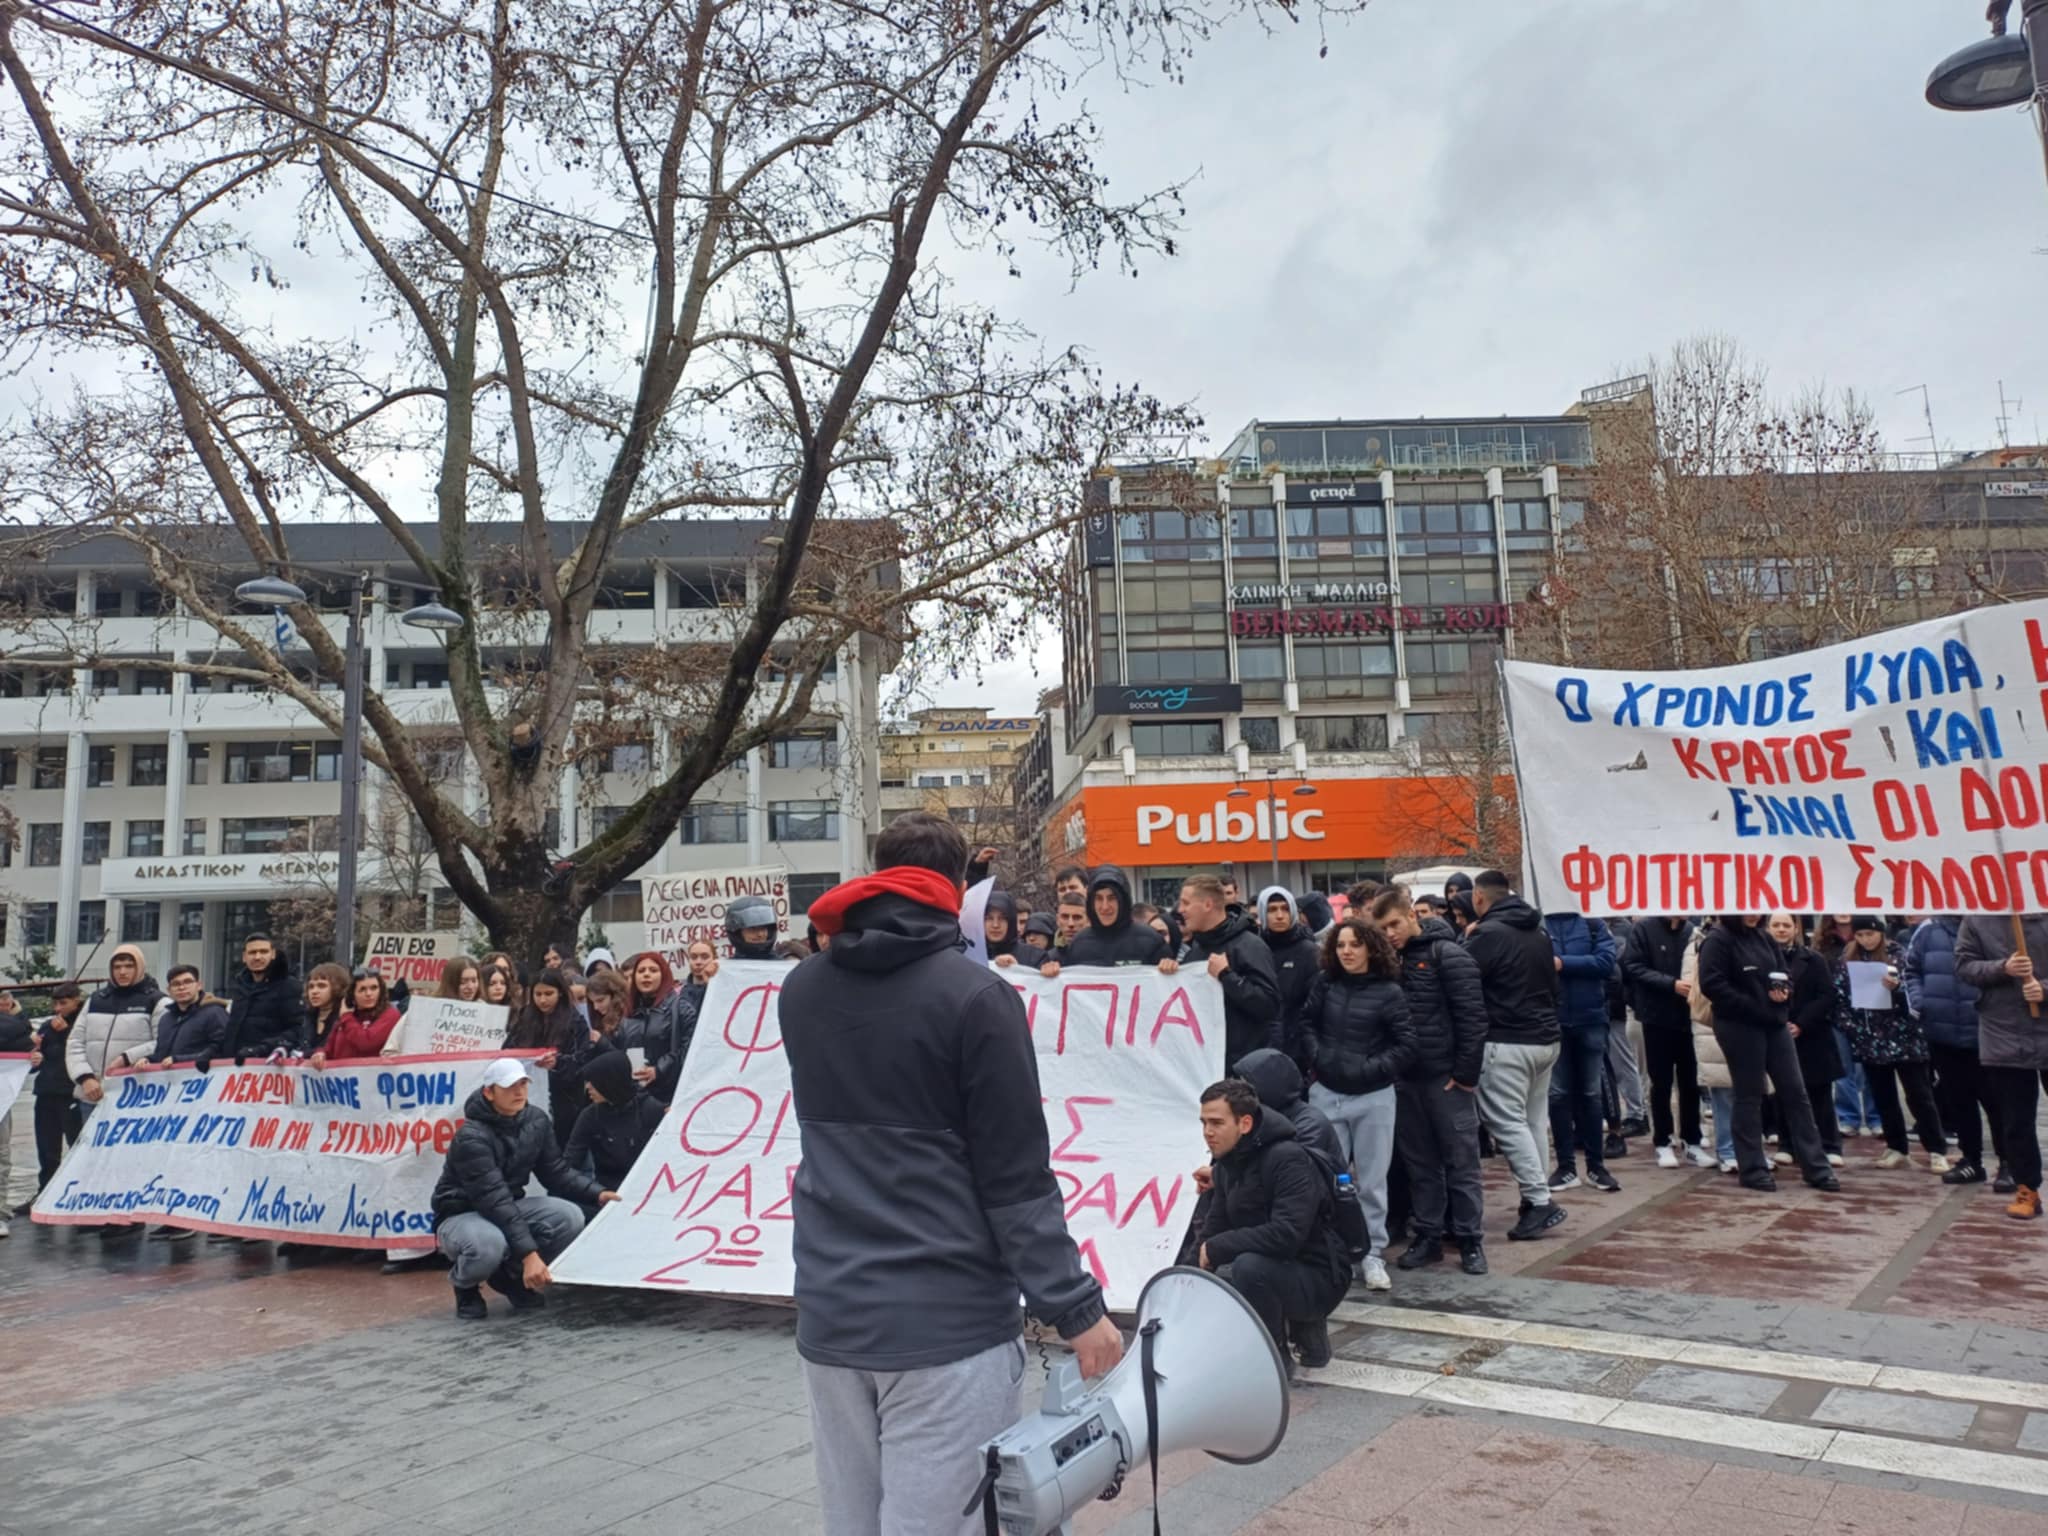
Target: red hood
[[926, 887]]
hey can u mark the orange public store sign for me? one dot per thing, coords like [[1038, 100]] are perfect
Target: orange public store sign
[[1137, 825]]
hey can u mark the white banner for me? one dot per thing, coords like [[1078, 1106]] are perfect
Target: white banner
[[680, 909], [346, 1156], [1123, 1056], [1907, 772], [447, 1026], [13, 1073], [413, 958]]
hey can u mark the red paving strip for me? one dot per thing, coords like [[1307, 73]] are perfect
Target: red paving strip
[[1986, 1266], [1448, 1477], [64, 1348]]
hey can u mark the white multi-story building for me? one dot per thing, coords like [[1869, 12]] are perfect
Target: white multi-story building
[[169, 808]]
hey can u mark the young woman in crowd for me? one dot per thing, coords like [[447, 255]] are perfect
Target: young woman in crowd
[[1855, 1110], [327, 993], [461, 978], [702, 959], [1356, 1030], [558, 959], [366, 1025], [659, 1021], [497, 987], [549, 1022], [1892, 1047], [579, 993], [1814, 1007], [607, 995], [515, 980]]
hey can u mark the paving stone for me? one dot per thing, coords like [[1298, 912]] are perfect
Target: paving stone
[[1395, 1346], [1889, 1411], [1728, 1391], [1547, 1367], [2034, 1434]]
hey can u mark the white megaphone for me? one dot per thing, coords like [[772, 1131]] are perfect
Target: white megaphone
[[1203, 1374]]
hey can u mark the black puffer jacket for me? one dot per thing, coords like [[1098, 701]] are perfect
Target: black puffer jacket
[[610, 1137], [489, 1163], [1280, 1087], [1736, 961], [54, 1075], [190, 1034], [17, 1034], [1359, 1033], [1297, 958], [1122, 942], [1271, 1198], [1518, 969], [1446, 1004], [1251, 991], [1814, 1006], [266, 1014], [1651, 957]]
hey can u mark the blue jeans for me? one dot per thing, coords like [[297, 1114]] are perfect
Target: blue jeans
[[1724, 1122], [1855, 1105], [1575, 1093]]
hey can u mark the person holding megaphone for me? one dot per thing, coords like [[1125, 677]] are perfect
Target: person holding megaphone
[[925, 1201]]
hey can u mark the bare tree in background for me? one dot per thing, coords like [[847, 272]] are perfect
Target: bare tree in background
[[1725, 523], [613, 264], [1462, 809], [404, 875]]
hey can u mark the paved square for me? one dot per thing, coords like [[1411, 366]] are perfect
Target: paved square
[[1689, 1387], [1889, 1411], [1547, 1367]]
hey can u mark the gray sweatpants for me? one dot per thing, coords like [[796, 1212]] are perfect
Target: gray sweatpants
[[1628, 1078], [1365, 1125], [1514, 1103], [898, 1453], [475, 1245]]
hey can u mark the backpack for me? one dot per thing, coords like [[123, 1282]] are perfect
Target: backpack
[[1347, 1216]]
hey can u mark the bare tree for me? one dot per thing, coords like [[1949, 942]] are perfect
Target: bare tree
[[399, 897], [613, 265], [1462, 808], [1725, 522]]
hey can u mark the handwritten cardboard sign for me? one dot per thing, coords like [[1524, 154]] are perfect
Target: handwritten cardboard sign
[[444, 1026], [413, 958], [1123, 1056], [680, 909], [14, 1071], [1905, 772], [347, 1156]]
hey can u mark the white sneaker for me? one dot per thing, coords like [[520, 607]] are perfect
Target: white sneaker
[[1728, 1165], [1700, 1157], [5, 1229], [1667, 1157], [1782, 1159], [1891, 1159], [1938, 1163], [1376, 1276], [1836, 1160]]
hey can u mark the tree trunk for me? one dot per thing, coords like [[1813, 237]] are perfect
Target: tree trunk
[[529, 911]]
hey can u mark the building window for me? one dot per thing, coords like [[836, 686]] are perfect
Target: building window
[[805, 889], [1333, 876], [604, 817], [10, 767], [713, 823], [242, 918], [92, 921], [1179, 665], [45, 844], [620, 904], [198, 755], [49, 772], [195, 836], [106, 681], [38, 924], [145, 839], [1439, 667], [803, 821], [284, 762], [191, 920], [1343, 733], [1176, 738], [3, 926], [279, 834], [152, 683], [148, 764], [931, 781], [813, 747], [95, 841], [630, 757], [99, 767], [1259, 733], [140, 922]]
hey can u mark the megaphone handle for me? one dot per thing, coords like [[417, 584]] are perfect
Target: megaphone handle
[[1150, 1379]]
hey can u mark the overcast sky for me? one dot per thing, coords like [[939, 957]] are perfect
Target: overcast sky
[[1483, 207]]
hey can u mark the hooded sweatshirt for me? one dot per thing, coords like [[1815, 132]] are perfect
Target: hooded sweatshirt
[[1296, 956], [1517, 972], [1022, 951], [1120, 942], [1251, 993], [610, 1136], [1278, 1080], [491, 1159], [924, 1199], [596, 958], [1270, 1198], [115, 1022]]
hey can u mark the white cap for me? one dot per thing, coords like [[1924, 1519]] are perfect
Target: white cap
[[504, 1072]]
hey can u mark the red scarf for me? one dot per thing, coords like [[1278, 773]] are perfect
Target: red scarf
[[926, 887]]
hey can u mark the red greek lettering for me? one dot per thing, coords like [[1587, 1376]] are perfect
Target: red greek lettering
[[1162, 1210], [1866, 895], [763, 994], [665, 1182], [1583, 876], [1621, 882], [1060, 1154], [753, 1118], [1691, 890], [1179, 1011], [775, 1131], [1792, 884], [780, 1211], [1688, 750], [739, 1185], [1101, 1195]]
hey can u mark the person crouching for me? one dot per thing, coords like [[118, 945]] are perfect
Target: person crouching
[[485, 1223]]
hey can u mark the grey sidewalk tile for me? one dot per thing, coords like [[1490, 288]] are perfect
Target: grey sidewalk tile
[[2034, 1434], [1571, 1369], [712, 1507], [1726, 1391], [1896, 1414], [1396, 1346]]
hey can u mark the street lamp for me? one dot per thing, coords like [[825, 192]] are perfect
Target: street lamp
[[2001, 70], [1272, 812], [276, 592]]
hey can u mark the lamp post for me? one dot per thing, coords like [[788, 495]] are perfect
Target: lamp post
[[1272, 813], [2001, 70], [276, 592]]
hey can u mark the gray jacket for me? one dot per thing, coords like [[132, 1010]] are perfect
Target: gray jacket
[[2007, 1034]]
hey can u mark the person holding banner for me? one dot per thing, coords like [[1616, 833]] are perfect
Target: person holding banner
[[325, 997], [2004, 958], [1227, 943], [266, 1017], [1746, 980], [366, 1025], [118, 1018], [58, 1116], [193, 1028], [925, 1199], [549, 1022], [485, 1223]]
